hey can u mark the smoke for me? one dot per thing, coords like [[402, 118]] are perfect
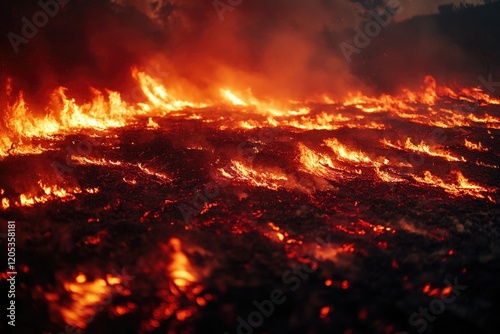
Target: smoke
[[279, 48], [287, 49], [86, 43]]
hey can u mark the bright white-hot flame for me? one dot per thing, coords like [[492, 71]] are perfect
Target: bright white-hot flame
[[233, 98]]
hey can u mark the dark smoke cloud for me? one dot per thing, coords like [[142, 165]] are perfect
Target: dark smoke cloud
[[275, 47], [278, 48], [88, 43]]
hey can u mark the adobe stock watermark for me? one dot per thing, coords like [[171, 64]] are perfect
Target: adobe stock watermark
[[30, 28], [436, 307], [224, 6], [209, 191], [265, 308], [371, 29]]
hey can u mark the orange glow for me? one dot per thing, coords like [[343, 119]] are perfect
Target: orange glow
[[278, 234], [5, 203], [460, 187], [422, 148], [344, 153], [152, 124], [317, 163], [81, 279], [109, 110], [46, 193], [180, 269], [232, 98], [475, 147], [148, 171], [86, 296], [446, 291], [158, 97], [271, 179], [323, 313]]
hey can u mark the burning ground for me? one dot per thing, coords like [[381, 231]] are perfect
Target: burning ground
[[206, 206], [157, 206]]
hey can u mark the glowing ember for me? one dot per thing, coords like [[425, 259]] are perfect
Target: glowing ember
[[86, 296], [180, 269], [255, 182], [47, 193]]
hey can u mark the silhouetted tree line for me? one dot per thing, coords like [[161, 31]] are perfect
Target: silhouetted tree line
[[449, 8]]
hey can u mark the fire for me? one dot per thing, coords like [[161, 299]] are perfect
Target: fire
[[46, 193], [109, 110], [317, 163], [462, 186], [105, 111], [82, 160], [180, 268], [182, 285], [233, 98], [5, 203], [424, 106], [386, 176], [387, 103], [158, 96], [475, 147], [344, 153], [152, 124], [87, 297], [422, 148], [269, 179], [148, 171]]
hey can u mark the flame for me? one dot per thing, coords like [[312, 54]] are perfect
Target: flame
[[316, 163], [422, 148], [422, 107], [269, 179], [148, 171], [82, 160], [346, 154], [5, 203], [152, 124], [461, 187], [46, 193], [182, 285], [180, 269], [388, 103], [475, 147], [103, 112], [109, 110], [86, 296], [233, 98], [158, 96]]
